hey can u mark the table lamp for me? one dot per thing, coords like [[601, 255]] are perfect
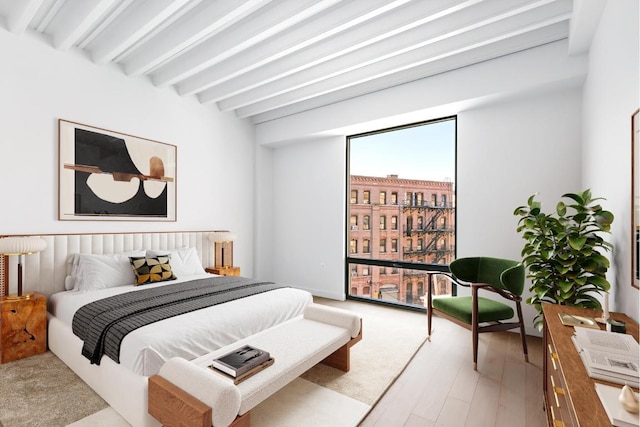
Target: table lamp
[[21, 246], [223, 246]]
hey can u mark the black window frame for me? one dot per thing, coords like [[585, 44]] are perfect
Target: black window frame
[[394, 265]]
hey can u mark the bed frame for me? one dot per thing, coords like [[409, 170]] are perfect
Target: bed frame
[[45, 272]]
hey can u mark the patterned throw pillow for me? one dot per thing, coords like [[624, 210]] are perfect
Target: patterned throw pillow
[[151, 269]]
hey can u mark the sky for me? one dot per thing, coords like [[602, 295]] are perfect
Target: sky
[[424, 152]]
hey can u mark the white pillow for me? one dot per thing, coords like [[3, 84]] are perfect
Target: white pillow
[[72, 264], [184, 261], [91, 272], [72, 271]]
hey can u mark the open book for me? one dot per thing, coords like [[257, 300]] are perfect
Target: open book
[[609, 356]]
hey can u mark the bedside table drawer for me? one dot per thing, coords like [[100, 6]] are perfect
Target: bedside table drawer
[[223, 271], [23, 327]]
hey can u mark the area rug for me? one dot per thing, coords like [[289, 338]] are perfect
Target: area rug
[[42, 391], [390, 338], [300, 403]]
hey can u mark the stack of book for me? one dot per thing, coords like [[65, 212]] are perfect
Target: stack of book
[[242, 362], [609, 356]]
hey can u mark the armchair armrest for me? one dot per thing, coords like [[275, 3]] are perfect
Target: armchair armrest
[[450, 277], [506, 294]]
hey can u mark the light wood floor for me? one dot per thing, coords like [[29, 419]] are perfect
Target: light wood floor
[[440, 388]]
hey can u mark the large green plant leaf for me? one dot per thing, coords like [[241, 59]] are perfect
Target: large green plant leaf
[[577, 242], [600, 282], [561, 209], [604, 218]]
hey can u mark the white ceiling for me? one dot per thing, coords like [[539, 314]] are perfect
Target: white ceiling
[[268, 59]]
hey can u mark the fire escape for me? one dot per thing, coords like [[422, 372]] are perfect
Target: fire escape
[[432, 231]]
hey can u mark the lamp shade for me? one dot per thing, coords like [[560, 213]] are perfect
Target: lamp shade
[[222, 236], [21, 245]]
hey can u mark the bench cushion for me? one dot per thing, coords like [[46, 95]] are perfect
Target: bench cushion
[[334, 316]]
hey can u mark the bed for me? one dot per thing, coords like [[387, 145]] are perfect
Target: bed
[[123, 383]]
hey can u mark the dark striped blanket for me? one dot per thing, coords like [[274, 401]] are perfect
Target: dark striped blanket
[[103, 324]]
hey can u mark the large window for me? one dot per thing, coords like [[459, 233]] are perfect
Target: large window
[[415, 166]]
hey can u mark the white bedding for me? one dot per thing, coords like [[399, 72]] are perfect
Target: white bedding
[[190, 335]]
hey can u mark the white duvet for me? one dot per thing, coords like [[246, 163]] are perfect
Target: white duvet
[[193, 334]]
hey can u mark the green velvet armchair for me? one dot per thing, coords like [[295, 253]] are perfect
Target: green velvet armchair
[[478, 314]]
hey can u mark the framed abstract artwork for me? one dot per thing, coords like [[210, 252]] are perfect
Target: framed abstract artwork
[[107, 175]]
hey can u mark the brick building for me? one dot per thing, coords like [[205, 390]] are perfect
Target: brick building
[[399, 219]]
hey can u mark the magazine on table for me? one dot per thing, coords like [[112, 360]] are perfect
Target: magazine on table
[[618, 416], [241, 360], [609, 356]]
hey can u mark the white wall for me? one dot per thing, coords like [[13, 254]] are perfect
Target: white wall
[[507, 152], [307, 247], [263, 237], [508, 149], [39, 85], [611, 95]]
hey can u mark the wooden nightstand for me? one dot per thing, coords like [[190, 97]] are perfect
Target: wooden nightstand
[[223, 271], [23, 326]]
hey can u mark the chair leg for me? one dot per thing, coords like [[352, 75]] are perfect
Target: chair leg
[[429, 310], [522, 333], [475, 346], [474, 325]]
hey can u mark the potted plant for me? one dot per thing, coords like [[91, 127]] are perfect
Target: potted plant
[[564, 251]]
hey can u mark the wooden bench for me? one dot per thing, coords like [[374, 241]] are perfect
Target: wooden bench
[[191, 394]]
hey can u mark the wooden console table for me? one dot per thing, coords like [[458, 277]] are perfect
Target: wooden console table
[[569, 394]]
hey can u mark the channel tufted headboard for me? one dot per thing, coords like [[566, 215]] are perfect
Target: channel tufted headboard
[[46, 271]]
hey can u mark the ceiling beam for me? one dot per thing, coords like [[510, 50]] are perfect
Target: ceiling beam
[[134, 23], [48, 16], [94, 32], [199, 25], [324, 29], [74, 19], [532, 71], [371, 24], [274, 20], [22, 14], [398, 71], [270, 80], [265, 59]]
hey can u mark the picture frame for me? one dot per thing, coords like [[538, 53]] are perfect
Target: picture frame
[[635, 199], [105, 175]]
